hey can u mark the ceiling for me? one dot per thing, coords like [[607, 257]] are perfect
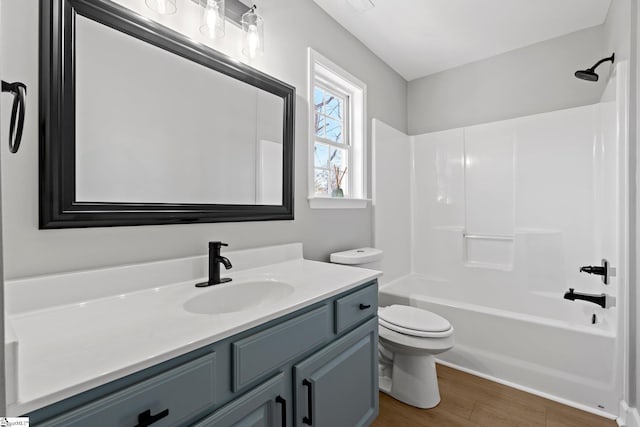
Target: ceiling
[[421, 37]]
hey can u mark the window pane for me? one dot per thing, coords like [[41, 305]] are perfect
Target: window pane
[[320, 125], [318, 99], [321, 181], [334, 107], [321, 155], [344, 184], [338, 158], [333, 130], [338, 167]]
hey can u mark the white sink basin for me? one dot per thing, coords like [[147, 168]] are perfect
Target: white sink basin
[[233, 297]]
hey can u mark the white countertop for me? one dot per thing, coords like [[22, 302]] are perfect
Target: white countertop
[[70, 348]]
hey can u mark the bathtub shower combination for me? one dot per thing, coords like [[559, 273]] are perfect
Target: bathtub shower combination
[[500, 217]]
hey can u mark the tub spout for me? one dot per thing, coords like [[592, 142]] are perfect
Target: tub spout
[[600, 300]]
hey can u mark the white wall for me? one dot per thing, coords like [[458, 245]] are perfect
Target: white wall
[[392, 170], [531, 80], [620, 32], [290, 27]]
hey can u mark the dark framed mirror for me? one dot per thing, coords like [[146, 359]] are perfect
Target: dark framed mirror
[[141, 125]]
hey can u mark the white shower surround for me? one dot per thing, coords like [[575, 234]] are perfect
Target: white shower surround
[[501, 216]]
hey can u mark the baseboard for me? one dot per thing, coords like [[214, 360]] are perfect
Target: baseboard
[[532, 391], [629, 417]]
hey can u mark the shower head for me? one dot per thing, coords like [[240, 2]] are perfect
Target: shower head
[[590, 74]]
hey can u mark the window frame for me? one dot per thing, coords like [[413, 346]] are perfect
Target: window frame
[[329, 76]]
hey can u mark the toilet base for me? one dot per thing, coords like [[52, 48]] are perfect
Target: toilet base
[[413, 380]]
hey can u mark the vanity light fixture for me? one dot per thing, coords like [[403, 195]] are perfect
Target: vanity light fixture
[[213, 18], [253, 33], [162, 7], [216, 12]]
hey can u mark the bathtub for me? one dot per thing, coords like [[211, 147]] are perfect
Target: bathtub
[[537, 345]]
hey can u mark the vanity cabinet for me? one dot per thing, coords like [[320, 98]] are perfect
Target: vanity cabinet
[[314, 367]]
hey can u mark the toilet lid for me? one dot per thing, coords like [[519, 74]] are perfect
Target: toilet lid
[[413, 319]]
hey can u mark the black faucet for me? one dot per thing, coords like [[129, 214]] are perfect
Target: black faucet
[[601, 299], [215, 259]]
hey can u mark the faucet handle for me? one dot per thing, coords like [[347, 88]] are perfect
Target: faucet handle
[[217, 244]]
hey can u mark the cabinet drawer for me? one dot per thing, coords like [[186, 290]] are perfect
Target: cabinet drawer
[[356, 307], [183, 391], [260, 354]]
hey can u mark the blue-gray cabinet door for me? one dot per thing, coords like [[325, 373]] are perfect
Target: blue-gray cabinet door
[[338, 386], [265, 406]]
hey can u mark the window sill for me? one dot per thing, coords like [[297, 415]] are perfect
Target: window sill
[[337, 203]]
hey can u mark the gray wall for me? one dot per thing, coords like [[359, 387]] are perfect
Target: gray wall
[[290, 26], [531, 80]]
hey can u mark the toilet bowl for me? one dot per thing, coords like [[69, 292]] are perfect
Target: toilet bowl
[[409, 339]]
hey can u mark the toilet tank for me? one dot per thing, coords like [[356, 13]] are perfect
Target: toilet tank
[[361, 257]]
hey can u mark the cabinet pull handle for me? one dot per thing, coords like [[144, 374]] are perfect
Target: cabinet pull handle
[[364, 306], [308, 419], [281, 400], [145, 418]]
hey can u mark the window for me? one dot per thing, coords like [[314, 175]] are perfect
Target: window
[[336, 136], [331, 147]]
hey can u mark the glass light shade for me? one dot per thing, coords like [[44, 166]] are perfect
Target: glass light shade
[[163, 7], [253, 34], [213, 19]]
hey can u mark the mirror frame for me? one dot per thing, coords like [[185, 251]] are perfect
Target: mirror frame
[[58, 206]]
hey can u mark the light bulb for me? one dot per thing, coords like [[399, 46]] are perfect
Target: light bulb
[[253, 41], [162, 7], [213, 19]]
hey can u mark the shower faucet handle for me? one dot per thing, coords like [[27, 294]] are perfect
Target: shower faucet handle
[[601, 270], [593, 269]]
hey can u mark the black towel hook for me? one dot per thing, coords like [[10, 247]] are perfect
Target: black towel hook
[[16, 126]]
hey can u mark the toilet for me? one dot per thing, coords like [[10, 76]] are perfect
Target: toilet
[[409, 339]]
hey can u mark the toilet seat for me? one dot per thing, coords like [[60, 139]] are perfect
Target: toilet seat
[[414, 321], [413, 332]]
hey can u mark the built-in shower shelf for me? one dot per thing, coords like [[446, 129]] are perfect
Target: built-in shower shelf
[[488, 236], [488, 266], [490, 251]]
